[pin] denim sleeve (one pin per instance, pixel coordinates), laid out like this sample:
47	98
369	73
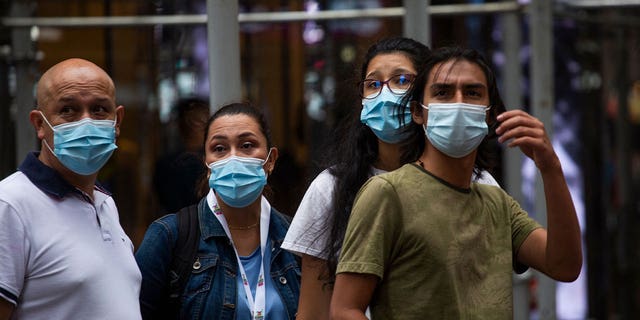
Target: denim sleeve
154	259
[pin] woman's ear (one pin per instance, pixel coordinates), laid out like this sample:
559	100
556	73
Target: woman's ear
206	165
417	113
271	161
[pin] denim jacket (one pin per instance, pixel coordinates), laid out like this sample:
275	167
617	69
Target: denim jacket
211	291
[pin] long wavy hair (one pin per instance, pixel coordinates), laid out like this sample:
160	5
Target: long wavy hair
414	145
355	150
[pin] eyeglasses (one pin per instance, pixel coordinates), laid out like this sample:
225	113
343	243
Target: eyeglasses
398	84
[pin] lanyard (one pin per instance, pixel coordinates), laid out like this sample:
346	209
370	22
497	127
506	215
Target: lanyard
257	305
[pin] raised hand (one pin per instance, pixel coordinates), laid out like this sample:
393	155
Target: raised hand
520	129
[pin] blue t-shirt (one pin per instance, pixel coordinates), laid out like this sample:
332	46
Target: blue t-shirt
274	308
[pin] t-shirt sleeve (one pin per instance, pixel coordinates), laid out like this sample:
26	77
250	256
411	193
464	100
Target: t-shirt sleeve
308	233
14	246
521	226
484	177
372	230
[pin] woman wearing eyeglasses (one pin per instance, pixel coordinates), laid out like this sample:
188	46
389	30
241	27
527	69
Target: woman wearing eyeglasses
367	144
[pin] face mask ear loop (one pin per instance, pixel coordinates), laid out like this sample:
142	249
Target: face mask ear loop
48	147
47	121
265	162
115	121
424	125
268	155
52	129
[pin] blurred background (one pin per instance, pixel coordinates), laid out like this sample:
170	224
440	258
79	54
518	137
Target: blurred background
573	63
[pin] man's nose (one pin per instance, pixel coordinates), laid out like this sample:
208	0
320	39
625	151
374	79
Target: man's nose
458	97
85	114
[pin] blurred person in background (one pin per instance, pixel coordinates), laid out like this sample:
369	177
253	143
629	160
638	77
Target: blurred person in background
176	174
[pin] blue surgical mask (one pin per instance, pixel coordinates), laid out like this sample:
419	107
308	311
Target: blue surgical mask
238	181
380	115
456	129
83	146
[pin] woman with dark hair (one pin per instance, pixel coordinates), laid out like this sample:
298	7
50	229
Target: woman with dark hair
239	271
367	144
424	241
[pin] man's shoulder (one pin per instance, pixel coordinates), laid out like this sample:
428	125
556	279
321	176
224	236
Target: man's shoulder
16	185
489	190
407	171
12	177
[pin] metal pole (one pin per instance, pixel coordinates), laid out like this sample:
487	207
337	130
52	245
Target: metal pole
256	17
512	158
542	104
513	98
23	54
223	42
625	242
417	20
7	123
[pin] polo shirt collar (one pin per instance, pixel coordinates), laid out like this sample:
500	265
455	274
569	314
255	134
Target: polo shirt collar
47	179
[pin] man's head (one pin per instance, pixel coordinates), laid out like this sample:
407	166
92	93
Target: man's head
454	55
74	92
440	65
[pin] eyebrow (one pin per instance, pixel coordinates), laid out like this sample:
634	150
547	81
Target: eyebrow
447	86
247	134
372	74
394	72
402	71
241	136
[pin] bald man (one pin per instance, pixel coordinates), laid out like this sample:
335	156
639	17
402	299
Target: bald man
63	252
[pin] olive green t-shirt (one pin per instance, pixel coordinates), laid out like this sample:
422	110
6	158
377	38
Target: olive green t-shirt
440	252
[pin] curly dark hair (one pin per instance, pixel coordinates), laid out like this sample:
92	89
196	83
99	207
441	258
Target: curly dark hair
414	145
355	150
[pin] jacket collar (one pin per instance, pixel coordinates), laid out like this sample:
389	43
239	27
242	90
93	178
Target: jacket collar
211	227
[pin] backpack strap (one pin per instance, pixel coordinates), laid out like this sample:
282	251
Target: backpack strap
184	255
